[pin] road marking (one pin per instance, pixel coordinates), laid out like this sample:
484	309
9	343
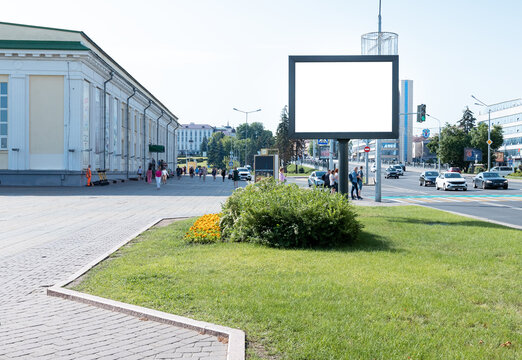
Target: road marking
503	205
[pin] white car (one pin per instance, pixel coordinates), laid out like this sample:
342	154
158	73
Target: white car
374	167
503	170
315	178
244	174
450	181
399	169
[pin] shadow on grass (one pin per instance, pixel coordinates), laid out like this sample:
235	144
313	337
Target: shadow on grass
472	223
366	242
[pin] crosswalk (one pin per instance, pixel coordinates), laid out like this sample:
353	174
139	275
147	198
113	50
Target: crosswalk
419	199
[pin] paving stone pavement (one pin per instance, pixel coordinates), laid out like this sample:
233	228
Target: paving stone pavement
50	233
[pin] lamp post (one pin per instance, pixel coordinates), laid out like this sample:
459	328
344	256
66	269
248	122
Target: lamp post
246	128
481	103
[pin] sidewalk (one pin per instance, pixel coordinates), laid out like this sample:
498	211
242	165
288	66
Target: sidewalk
50	233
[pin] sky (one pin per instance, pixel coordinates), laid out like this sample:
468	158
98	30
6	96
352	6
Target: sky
202	58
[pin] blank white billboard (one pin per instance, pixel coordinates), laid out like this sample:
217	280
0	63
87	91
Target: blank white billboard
344	97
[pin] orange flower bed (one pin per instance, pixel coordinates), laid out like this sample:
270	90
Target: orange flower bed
205	230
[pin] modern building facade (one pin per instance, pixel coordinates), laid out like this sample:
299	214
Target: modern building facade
65	104
507	114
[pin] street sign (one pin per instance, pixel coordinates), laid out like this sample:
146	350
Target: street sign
489	142
231	163
426	133
367	149
322	142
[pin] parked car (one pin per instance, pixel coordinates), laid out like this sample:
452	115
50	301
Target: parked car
503	170
315	178
399	169
455	169
450	181
428	178
489	179
391	172
244	174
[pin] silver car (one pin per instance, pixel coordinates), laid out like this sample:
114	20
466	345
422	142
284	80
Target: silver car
244	174
315	178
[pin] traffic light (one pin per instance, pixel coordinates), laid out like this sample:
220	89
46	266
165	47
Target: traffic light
421	113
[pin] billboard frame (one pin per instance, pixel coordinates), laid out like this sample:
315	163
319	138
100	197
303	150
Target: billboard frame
393	59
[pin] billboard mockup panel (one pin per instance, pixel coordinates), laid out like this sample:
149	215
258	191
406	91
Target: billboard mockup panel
344	97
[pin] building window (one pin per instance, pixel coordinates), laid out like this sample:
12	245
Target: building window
3	116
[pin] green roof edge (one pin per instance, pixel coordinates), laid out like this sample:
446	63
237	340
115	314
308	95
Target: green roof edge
42	45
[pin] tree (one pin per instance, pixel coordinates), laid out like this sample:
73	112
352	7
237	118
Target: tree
288	148
204	144
467	122
216	151
479	138
453	141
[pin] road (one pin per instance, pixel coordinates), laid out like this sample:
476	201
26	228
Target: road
498	205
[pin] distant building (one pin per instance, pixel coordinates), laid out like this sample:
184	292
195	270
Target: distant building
420	151
226	130
507	114
190	137
66	104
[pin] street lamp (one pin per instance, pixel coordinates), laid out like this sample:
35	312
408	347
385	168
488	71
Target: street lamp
246	128
481	103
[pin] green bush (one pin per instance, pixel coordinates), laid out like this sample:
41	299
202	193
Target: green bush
287	216
301	170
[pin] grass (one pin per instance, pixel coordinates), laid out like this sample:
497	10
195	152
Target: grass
291	170
419	284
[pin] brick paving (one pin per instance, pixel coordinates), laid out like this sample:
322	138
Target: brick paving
50	233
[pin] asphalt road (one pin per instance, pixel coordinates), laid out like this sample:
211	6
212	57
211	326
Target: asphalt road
497	205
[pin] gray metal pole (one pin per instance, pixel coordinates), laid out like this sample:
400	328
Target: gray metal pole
489	139
378	170
366	164
343	166
330	158
246	137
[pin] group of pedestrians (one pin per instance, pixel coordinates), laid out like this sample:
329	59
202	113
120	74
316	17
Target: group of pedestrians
331	181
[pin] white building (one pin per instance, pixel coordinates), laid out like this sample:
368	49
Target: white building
66	104
190	137
507	114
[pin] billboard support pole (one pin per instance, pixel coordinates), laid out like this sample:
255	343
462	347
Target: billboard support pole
343	166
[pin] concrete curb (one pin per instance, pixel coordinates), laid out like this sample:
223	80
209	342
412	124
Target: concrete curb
236	338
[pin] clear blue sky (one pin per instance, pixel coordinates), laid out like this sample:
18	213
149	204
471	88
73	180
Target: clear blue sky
201	58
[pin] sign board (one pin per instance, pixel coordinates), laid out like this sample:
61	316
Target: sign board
426	133
344	97
367	149
156	148
324	153
266	166
499	156
471	154
230	163
322	142
489	142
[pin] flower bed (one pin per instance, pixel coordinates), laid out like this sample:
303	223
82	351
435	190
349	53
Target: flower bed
205	230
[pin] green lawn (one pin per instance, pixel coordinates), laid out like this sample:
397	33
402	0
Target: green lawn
291	170
420	284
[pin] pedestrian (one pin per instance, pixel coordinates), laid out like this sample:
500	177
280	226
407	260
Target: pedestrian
360	182
88	175
223	174
158	177
191	172
331	179
179	172
164	175
140	173
282	178
353	179
327	179
235	177
204	171
198	172
184	170
149	174
214	173
336	180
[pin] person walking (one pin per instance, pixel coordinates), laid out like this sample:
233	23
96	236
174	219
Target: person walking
140	173
235	177
88	175
204	171
353	180
360	182
191	172
214	173
223	174
149	174
327	179
164	175
158	177
331	179
282	178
